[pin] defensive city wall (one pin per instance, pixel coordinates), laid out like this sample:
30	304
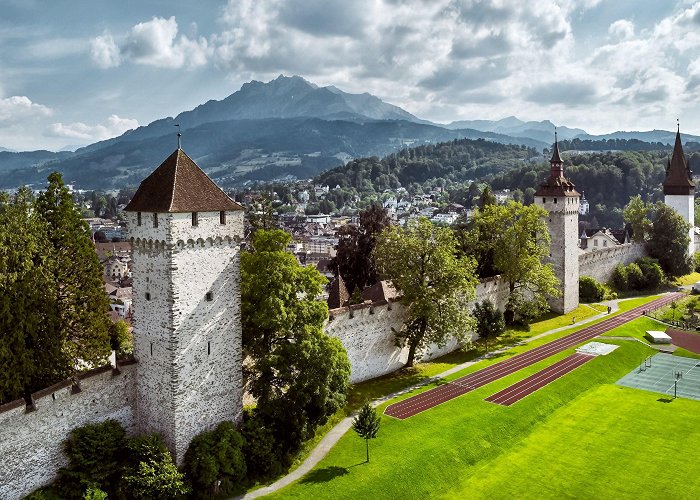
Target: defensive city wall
601	263
31	437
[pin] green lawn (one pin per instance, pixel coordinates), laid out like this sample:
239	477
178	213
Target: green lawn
375	388
451	450
636	329
688	279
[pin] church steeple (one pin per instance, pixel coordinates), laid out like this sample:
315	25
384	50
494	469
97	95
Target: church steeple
678	175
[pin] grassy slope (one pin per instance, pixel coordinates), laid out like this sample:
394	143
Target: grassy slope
468	434
375	388
688	279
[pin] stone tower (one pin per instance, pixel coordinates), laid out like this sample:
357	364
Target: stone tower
679	189
185	233
559	198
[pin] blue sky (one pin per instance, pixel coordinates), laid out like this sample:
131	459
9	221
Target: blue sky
76	71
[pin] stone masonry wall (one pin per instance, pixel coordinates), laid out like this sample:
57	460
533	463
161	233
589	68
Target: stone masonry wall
366	332
600	264
31	442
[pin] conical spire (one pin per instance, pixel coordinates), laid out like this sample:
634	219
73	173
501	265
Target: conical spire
678	176
557	184
556	158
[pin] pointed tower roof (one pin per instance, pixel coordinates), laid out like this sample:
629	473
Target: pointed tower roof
678	176
338	295
179	185
556	184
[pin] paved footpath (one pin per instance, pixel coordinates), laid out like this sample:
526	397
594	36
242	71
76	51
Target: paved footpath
334	435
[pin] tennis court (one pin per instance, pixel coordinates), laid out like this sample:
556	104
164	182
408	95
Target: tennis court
666	374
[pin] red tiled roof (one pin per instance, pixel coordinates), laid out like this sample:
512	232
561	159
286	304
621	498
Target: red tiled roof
179	185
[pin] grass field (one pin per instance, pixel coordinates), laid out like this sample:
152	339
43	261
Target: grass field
375	388
575	437
688	279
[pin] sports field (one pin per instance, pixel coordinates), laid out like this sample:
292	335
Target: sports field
581	435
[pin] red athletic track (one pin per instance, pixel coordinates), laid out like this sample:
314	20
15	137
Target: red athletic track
428	399
527	386
686	340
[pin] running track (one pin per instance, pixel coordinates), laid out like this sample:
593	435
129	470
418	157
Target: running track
525	387
433	397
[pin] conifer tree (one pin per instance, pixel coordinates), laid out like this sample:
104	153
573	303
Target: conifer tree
77	310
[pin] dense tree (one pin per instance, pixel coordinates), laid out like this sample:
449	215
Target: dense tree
487	197
26	352
353	260
95	458
489	321
79	304
668	241
215	464
636	214
298	375
435	284
518	239
366	424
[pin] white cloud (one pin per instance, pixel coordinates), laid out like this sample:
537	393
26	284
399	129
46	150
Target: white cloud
17	109
105	52
152	43
621	29
82	132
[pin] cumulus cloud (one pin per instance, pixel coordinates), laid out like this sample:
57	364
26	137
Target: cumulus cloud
621	29
82	132
153	43
17	109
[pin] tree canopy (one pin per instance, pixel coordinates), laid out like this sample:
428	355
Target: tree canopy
435	283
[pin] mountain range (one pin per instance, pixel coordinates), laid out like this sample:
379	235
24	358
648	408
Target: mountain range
285	128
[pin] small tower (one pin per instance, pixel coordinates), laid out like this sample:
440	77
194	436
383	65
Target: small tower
185	233
679	189
559	198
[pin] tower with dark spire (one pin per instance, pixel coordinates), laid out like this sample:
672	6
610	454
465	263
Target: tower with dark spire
185	234
679	189
558	196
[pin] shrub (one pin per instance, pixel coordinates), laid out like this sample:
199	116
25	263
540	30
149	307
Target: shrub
635	277
259	449
150	472
95	459
619	278
589	290
215	463
653	274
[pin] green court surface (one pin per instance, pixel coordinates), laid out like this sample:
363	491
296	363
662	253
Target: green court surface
666	374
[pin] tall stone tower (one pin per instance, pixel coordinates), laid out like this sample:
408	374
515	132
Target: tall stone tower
679	189
559	198
185	233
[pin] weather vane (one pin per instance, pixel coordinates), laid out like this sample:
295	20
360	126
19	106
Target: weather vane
178	135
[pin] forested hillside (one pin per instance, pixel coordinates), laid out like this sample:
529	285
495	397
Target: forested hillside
451	162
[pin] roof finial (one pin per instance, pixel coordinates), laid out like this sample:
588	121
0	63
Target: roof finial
678	124
178	135
555	133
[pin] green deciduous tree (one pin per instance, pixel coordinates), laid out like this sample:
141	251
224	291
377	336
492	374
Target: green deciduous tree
636	214
355	245
517	238
215	464
95	459
366	424
298	375
489	321
421	262
668	241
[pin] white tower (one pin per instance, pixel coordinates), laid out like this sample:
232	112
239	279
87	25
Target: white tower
679	189
185	233
559	198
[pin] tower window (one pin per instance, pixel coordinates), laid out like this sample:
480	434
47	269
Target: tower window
544	200
155	220
151	348
195	218
209	296
138	218
148	295
208	348
222	217
555	200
